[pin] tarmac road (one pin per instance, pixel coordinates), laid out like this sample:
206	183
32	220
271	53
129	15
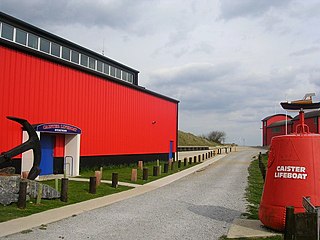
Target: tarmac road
199	206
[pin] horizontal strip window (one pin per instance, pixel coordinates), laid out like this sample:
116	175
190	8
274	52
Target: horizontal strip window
21	37
66	53
7	31
32	41
55	49
75	57
44	45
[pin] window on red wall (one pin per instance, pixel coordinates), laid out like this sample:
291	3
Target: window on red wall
276	130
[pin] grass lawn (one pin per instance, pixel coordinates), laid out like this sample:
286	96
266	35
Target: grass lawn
253	195
78	192
124	172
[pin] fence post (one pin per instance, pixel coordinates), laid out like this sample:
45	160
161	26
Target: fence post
93	185
156	171
115	178
166	168
289	224
185	162
134	174
39	194
22	194
64	190
262	167
145	174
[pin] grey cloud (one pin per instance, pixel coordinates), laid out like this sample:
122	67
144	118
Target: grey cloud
248	8
112	13
203	87
305	51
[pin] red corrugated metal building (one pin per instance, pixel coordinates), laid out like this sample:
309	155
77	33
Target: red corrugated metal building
269	130
54	83
275	125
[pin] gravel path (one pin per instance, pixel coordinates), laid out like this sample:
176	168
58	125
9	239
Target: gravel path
199	206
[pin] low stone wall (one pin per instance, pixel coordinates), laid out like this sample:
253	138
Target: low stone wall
9	189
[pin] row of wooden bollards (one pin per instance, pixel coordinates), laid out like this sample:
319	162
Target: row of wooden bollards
96	180
22	197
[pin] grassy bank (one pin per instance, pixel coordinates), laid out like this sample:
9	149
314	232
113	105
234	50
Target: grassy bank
189	139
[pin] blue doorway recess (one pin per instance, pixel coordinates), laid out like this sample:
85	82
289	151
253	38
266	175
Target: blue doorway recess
171	149
47	145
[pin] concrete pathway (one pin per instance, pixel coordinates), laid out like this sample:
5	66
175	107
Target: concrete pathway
201	202
53	215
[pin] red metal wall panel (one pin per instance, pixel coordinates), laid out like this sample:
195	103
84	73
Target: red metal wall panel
59	145
115	119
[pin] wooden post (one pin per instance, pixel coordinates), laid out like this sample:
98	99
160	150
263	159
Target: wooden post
115	178
101	170
289	224
64	190
93	185
97	174
179	163
22	194
185	162
140	165
145	174
190	160
56	184
156	170
134	175
166	168
199	158
195	159
25	174
39	194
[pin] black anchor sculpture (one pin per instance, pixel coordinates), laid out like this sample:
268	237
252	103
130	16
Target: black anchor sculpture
32	143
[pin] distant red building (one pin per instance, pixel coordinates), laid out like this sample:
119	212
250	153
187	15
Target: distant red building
275	125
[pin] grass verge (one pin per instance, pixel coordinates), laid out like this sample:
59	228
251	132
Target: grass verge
124	172
78	192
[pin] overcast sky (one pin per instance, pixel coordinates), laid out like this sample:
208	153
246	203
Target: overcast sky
229	62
